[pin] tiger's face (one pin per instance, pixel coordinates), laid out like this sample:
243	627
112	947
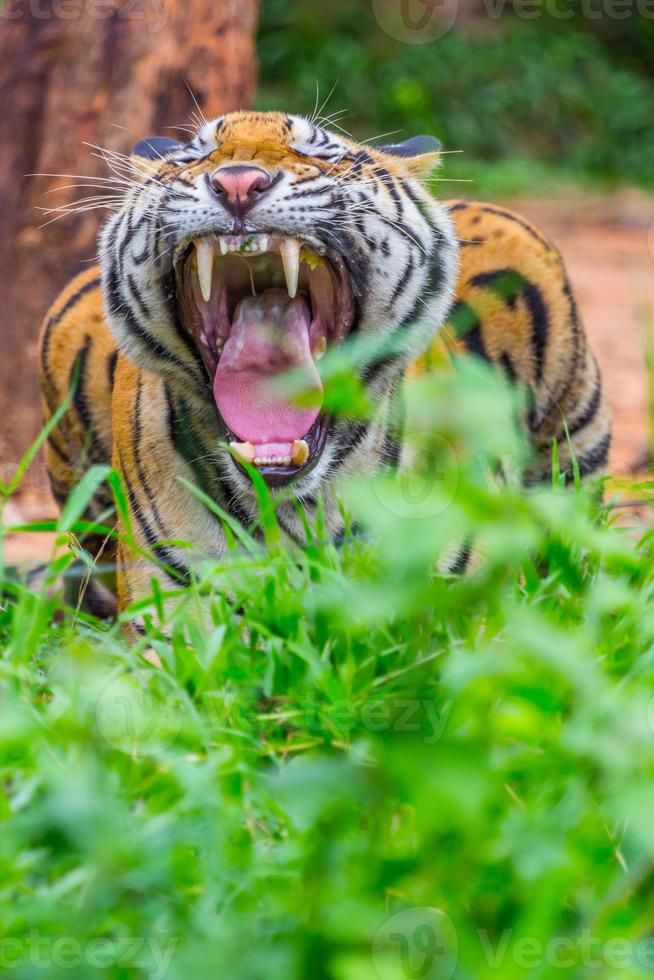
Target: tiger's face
249	251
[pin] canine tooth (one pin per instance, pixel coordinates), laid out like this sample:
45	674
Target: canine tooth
204	253
290	252
299	452
245	450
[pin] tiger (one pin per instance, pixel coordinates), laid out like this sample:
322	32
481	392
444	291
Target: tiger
248	251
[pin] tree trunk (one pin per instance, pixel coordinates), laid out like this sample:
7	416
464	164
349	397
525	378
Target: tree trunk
76	72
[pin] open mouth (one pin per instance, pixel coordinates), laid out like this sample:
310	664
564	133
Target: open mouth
258	307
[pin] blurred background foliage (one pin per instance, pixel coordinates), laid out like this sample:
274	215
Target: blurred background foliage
566	95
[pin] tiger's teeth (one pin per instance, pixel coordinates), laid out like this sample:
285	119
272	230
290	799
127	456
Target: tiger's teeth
204	253
224	247
320	349
244	449
299	452
290	252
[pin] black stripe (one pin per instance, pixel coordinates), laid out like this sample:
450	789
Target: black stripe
465	323
594	458
170	297
190	445
405	230
127	236
140	472
432	285
138	258
590	411
355	432
119	306
460	563
112	361
578	342
72	300
519	221
421	207
93	450
403	282
140	302
181	572
391	452
508	284
378	365
540	326
348	442
57	451
474	342
387	179
508	366
310	191
52	321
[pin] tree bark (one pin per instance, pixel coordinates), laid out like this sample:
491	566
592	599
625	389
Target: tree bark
103	72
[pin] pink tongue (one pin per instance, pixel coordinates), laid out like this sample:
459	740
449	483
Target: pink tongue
269	337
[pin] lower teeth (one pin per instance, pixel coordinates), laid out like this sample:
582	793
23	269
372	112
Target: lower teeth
247	452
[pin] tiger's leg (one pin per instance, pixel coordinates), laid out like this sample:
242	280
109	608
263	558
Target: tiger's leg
514	306
77	349
168	531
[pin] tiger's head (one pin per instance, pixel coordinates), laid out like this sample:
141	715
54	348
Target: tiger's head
248	251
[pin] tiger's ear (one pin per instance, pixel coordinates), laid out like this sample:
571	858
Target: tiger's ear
421	153
148	152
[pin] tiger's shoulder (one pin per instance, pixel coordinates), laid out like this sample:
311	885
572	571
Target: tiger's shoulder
509	273
514	306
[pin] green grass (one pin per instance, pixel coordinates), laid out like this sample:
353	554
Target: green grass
362	768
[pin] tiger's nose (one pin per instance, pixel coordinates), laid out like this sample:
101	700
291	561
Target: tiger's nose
240	186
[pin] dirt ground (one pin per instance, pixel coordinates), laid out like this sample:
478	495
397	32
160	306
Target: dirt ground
608	245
